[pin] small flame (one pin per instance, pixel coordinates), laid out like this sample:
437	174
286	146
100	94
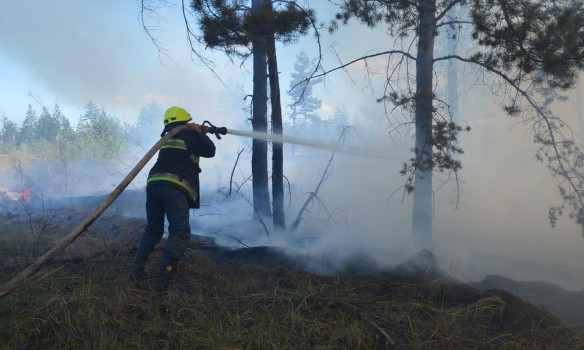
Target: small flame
25	195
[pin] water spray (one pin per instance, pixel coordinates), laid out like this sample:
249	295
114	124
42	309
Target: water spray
217	131
207	127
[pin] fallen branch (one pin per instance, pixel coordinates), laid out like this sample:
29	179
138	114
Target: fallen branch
361	314
237	240
384	333
59	247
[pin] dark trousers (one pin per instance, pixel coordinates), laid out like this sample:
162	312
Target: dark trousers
165	200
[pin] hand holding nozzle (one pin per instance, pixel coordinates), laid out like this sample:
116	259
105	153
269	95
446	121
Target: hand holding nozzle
209	129
200	128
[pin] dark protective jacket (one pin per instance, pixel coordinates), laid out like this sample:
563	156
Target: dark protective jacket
178	162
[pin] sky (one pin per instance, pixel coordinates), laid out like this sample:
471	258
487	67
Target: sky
70	52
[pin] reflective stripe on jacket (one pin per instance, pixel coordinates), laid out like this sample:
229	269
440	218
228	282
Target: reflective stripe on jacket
174	179
178	162
175	143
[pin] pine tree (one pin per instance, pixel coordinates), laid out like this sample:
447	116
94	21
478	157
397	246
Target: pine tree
26	133
92	112
233	27
47	127
65	129
340	118
99	133
304	104
8	136
279	216
148	125
528	46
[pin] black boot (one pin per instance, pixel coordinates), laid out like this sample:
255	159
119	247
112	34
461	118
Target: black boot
167	274
137	272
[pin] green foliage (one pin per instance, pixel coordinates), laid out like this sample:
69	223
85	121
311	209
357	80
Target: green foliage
531	37
47	147
47	127
147	127
290	22
533	49
150	117
340	119
400	16
222	23
65	130
304	105
27	130
99	134
8	136
230	25
445	153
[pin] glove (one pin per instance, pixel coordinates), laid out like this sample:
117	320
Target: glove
200	128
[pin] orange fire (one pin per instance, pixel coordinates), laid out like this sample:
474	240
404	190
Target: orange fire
25	195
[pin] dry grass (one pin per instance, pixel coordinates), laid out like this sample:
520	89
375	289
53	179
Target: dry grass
89	304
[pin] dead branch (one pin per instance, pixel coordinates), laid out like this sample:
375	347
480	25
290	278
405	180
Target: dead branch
147	10
232	237
77	231
551	129
384	333
343	66
238	190
314	194
233	171
289	193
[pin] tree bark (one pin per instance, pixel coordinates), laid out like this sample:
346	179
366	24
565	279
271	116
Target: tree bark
422	207
277	147
580	107
452	89
259	122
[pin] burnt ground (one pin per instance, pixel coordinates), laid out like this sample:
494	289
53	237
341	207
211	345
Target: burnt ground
116	234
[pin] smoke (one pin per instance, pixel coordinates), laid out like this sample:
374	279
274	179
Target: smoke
494	220
72	52
502	226
86	50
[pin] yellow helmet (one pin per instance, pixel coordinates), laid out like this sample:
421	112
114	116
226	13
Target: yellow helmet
176	114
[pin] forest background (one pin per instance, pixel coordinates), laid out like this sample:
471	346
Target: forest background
89	101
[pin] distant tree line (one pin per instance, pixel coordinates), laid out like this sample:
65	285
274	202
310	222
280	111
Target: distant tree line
46	150
51	135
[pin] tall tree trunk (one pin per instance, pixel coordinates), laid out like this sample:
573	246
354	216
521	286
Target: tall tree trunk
422	208
580	107
259	122
452	89
277	147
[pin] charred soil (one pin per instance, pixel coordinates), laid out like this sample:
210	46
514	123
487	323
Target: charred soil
83	300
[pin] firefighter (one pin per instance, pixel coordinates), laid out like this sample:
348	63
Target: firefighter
172	189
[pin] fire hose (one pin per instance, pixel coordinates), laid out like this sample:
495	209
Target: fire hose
31	270
205	127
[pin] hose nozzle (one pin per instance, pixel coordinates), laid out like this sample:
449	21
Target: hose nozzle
217	130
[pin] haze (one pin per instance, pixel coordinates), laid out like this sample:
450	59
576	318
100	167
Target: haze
68	53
